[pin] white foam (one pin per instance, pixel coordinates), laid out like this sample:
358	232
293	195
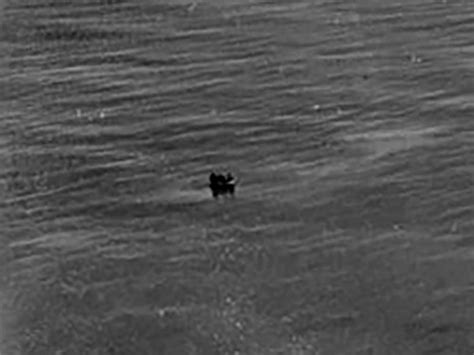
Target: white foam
382	142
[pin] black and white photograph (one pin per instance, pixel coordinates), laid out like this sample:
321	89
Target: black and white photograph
236	177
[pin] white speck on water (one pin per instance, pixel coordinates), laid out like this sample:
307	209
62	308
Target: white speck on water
415	59
192	7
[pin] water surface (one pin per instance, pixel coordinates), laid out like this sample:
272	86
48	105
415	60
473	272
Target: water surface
349	125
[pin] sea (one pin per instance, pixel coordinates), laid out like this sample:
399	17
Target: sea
348	124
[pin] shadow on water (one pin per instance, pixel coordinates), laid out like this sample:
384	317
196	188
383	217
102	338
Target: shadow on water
351	228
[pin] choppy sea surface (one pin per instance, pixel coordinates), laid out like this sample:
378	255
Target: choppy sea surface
348	123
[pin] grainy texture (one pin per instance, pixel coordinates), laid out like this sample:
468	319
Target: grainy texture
349	124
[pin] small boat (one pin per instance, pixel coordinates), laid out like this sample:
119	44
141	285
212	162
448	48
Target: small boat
221	184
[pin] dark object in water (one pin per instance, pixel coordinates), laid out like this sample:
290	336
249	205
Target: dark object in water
222	184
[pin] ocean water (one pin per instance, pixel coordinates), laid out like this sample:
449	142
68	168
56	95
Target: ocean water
348	123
